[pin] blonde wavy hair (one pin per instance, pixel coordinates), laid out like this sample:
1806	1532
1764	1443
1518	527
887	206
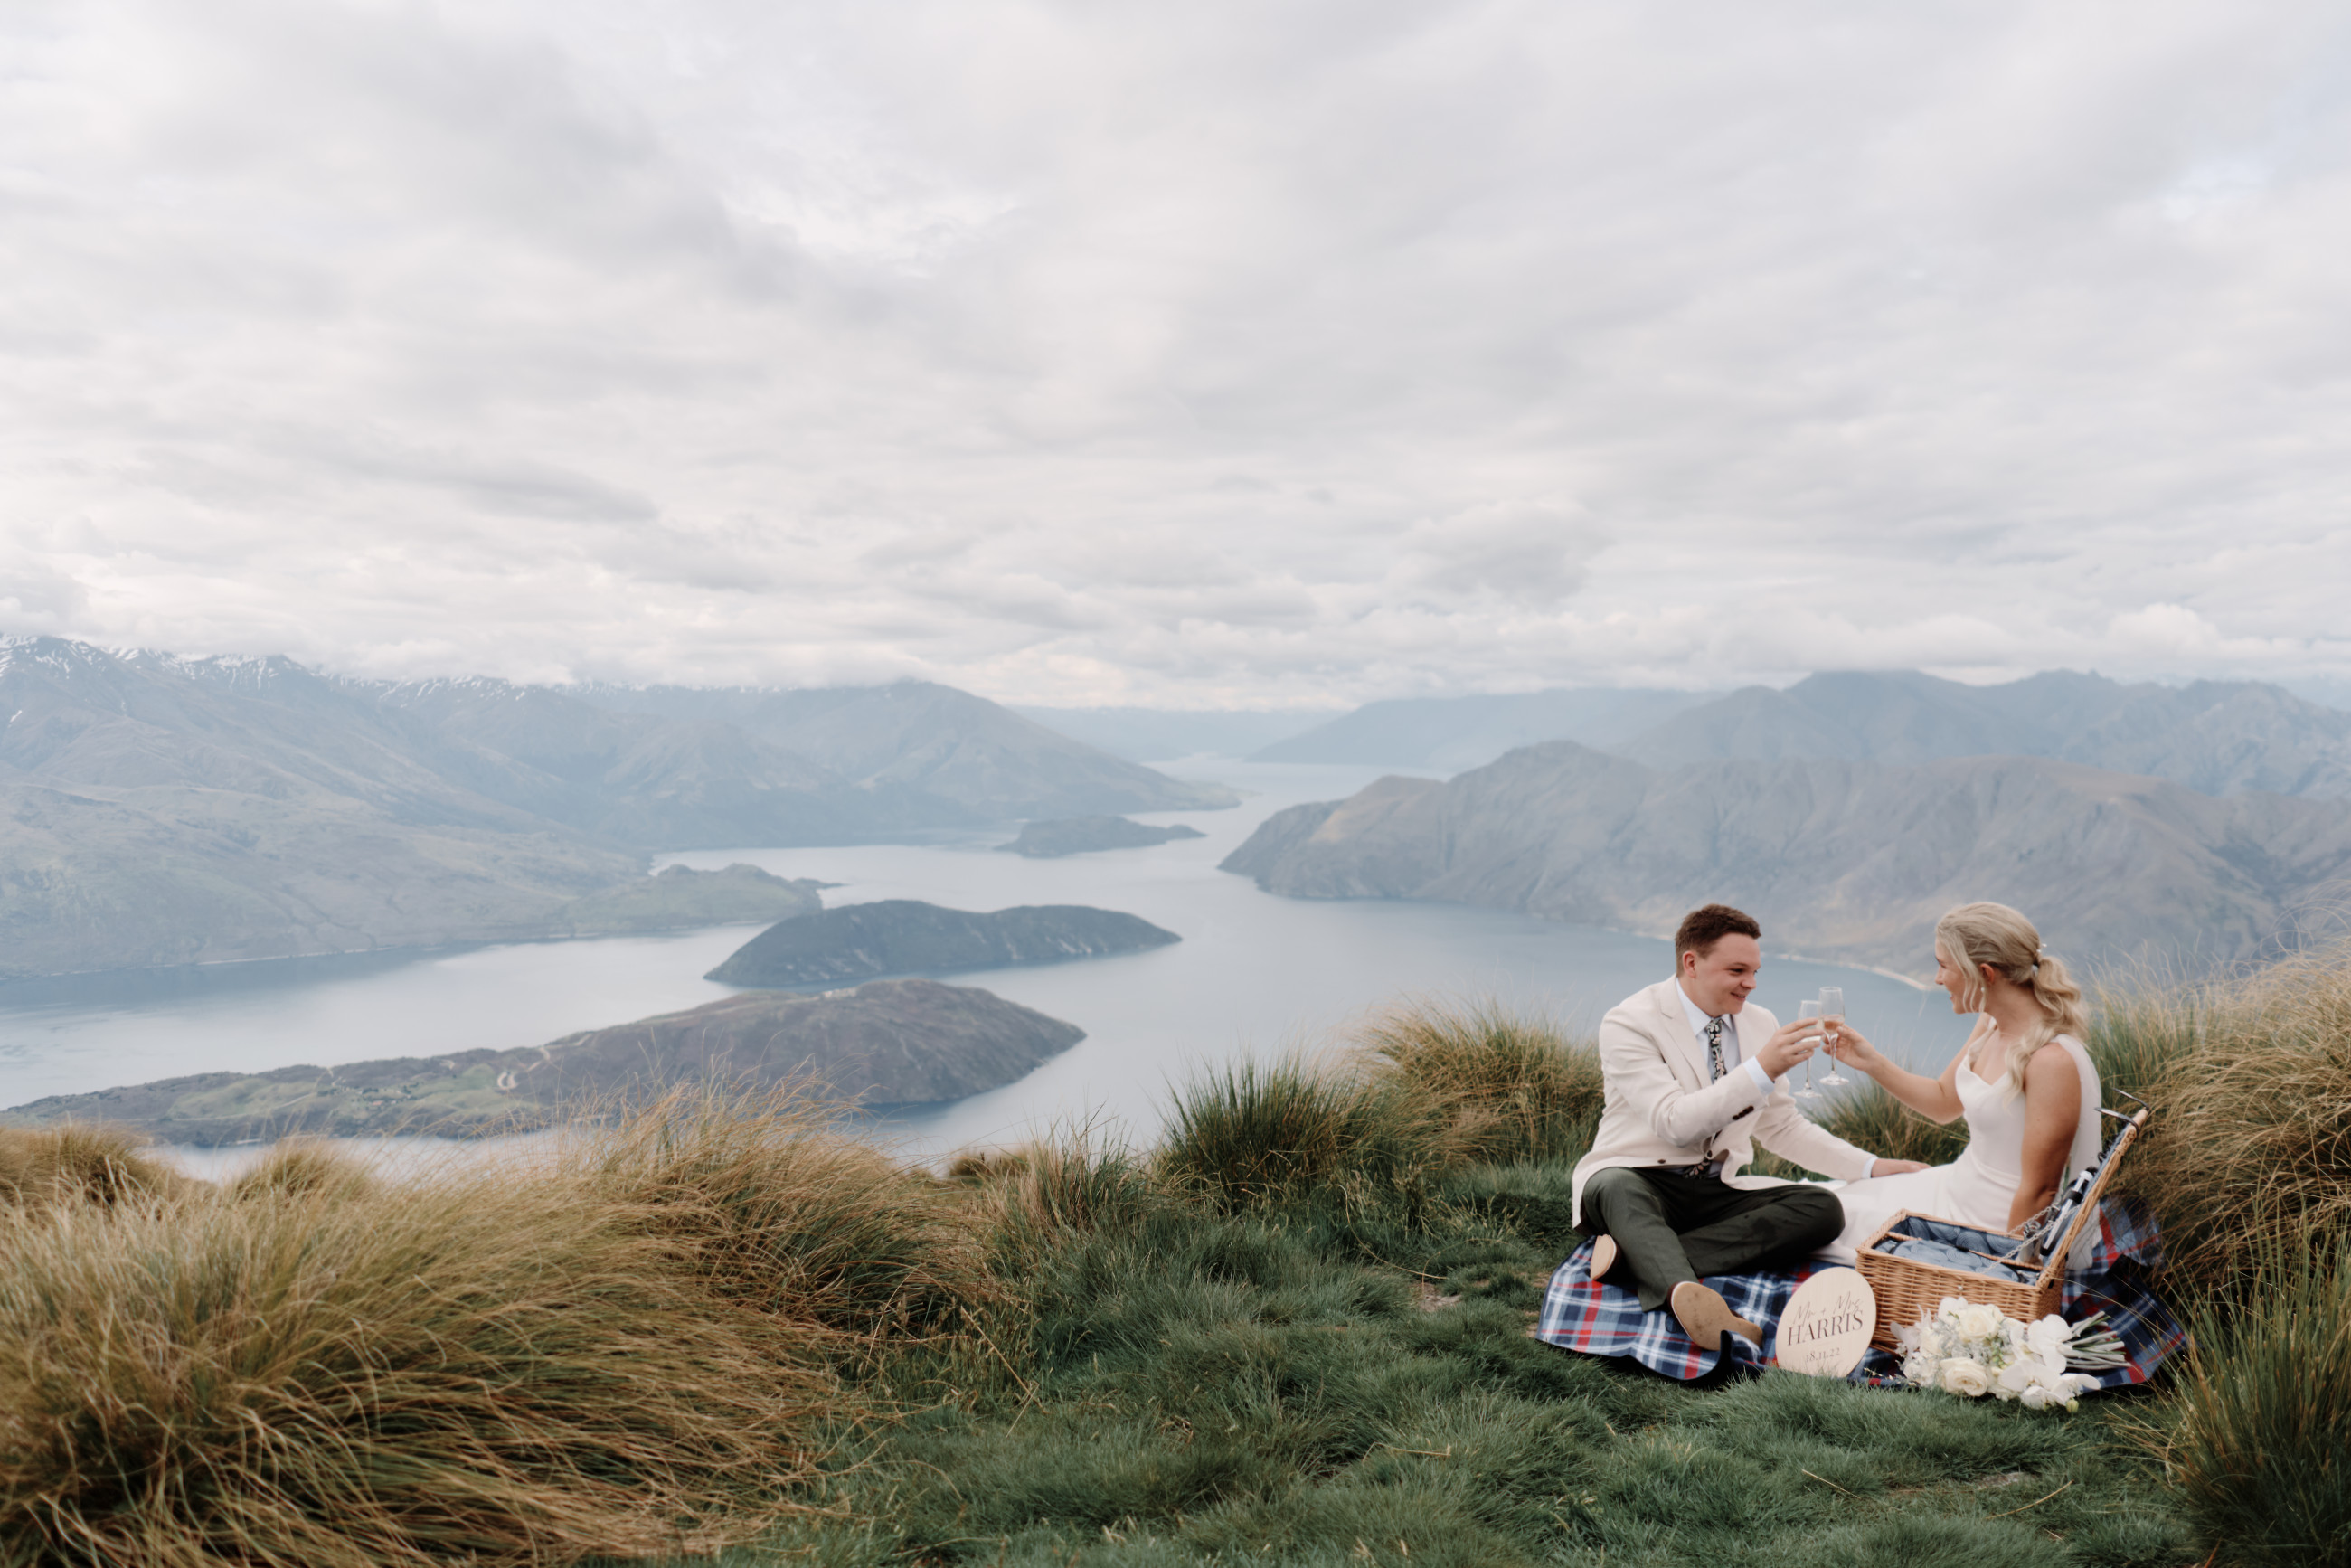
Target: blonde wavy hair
1975	934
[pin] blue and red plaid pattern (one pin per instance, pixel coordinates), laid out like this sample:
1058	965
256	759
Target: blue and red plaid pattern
1607	1320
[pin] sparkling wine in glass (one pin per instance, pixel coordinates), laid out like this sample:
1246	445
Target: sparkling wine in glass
1832	1008
1808	1009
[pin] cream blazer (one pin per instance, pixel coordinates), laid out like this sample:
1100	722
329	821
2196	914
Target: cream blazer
1661	1110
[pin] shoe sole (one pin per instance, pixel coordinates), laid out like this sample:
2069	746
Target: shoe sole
1706	1316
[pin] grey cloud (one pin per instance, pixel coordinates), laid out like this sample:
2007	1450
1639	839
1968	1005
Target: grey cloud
1318	350
1525	554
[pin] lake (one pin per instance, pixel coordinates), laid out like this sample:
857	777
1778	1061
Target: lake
1255	975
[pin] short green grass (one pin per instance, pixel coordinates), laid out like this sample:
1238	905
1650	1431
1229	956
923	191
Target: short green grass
1341	1380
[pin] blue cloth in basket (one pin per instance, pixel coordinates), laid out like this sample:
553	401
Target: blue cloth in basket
1948	1244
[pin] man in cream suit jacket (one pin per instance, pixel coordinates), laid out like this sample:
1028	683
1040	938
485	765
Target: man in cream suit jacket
1693	1084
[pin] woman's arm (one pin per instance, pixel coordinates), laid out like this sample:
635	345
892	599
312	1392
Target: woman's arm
2053	1112
1937	1099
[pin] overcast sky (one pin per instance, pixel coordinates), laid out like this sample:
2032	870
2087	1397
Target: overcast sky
1198	354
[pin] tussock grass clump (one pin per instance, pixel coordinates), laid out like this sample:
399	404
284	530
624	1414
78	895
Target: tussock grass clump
791	1216
1870	1118
2257	1436
75	1164
1255	1133
496	1369
2140	1033
1428	1088
299	1165
1053	1188
1515	1087
2251	1081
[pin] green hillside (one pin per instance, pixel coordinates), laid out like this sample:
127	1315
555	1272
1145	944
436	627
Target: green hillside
1294	1331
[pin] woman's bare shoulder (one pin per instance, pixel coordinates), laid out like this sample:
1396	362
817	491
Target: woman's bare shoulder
2043	1065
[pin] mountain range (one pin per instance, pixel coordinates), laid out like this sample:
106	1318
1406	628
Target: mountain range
1450	734
1840	860
158	811
2219	738
1157	734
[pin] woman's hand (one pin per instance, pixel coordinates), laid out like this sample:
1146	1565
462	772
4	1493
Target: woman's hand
1850	1046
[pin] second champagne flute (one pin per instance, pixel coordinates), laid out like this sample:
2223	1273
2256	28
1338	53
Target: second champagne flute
1832	1008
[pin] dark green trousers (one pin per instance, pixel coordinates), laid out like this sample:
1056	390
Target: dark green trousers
1670	1228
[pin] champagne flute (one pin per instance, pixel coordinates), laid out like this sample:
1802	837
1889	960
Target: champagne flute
1833	1009
1809	1008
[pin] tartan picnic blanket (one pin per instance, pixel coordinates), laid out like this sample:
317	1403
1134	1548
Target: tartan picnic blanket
1607	1320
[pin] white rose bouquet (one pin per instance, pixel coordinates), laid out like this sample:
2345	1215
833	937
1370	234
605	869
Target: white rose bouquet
1971	1350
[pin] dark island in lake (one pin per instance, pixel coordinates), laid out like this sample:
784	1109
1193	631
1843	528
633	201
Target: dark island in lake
1082	835
891	1042
906	936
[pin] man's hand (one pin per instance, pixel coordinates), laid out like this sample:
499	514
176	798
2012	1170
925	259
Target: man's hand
1896	1167
1794	1043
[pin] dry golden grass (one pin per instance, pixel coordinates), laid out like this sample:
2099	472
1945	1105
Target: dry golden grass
296	1166
39	1166
619	1348
2250	1145
502	1369
2143	1027
791	1216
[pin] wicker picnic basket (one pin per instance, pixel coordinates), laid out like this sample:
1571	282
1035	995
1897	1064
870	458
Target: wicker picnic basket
1908	1290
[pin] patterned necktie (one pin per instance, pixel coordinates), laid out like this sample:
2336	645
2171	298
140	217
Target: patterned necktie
1714	1028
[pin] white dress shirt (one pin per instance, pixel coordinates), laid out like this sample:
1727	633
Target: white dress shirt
1732	1055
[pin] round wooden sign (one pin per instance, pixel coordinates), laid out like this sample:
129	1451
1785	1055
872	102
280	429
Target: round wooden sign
1826	1331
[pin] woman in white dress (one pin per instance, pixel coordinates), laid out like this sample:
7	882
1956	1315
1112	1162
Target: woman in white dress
2023	1081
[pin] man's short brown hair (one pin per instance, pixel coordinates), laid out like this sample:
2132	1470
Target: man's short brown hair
1708	924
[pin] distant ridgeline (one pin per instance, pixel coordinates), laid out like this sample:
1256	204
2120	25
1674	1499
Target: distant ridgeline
906	937
2219	738
892	1042
161	810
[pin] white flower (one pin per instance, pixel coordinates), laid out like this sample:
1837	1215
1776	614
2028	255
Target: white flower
1979	1323
1970	1350
1965	1377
